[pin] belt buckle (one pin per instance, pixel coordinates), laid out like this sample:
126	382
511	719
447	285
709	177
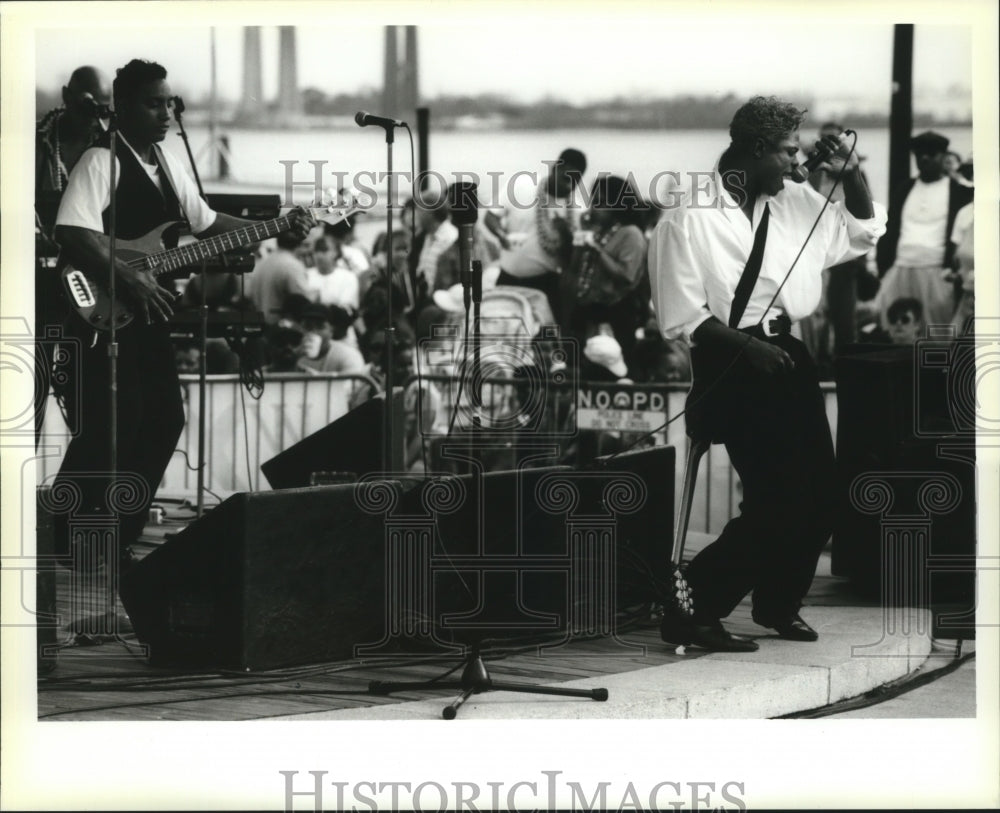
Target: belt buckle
770	331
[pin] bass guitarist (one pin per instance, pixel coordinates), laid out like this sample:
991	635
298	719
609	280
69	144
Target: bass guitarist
152	189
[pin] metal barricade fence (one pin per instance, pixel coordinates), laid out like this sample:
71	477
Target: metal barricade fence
561	421
294	406
241	432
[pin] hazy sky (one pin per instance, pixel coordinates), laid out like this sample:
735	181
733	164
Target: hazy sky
583	58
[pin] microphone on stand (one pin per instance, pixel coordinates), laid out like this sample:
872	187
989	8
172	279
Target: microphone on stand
363	118
464	214
95	108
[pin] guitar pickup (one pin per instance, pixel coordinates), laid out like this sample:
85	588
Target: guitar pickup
79	289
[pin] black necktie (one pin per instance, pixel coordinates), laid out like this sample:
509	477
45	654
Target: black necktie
750	271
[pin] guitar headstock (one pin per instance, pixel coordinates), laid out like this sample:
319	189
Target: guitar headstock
342	206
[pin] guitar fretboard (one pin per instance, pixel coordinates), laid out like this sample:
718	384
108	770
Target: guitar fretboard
193	253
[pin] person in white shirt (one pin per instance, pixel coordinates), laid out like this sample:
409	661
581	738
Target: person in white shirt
152	189
916	256
755	386
439	235
543	250
324	348
333	281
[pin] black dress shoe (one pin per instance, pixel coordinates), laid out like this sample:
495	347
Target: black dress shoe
791	629
711	635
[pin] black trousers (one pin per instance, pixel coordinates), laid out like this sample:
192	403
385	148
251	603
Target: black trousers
150	421
778	439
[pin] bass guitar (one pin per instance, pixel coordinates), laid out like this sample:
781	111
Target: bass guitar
87	292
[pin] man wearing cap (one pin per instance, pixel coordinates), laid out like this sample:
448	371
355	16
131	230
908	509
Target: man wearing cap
731	267
916	256
324	348
548	226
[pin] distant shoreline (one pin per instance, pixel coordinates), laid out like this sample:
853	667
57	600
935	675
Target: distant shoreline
200	119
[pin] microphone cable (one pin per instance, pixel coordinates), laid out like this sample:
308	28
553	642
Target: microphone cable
749	337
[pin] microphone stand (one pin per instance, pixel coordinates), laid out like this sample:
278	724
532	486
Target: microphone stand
390	331
113	335
475	292
202	321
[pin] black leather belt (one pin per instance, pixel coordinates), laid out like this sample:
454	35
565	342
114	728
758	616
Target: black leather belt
780	325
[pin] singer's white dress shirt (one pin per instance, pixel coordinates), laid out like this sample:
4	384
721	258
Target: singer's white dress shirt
699	249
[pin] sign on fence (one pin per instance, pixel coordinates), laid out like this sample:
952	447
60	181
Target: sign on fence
613	407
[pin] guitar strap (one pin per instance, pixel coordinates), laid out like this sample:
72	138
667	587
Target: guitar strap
162	162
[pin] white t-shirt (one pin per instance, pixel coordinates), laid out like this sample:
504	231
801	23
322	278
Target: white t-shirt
923	223
87	193
339	287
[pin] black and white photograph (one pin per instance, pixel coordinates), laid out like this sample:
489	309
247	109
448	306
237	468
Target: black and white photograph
499	406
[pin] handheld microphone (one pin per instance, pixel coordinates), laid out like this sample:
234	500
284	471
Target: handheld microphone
364	118
93	107
816	157
464	214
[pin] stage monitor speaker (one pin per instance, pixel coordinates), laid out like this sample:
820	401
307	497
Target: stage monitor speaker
645	537
352	443
517	533
266	579
926	477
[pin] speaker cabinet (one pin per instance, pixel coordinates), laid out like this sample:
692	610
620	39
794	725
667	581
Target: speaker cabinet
906	529
556	543
352	443
266	579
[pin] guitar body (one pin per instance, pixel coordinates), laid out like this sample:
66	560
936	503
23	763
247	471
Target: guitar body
87	293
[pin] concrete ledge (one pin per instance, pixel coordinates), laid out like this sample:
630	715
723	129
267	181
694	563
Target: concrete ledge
860	648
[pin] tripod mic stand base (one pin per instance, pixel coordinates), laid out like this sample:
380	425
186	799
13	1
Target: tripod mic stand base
476	679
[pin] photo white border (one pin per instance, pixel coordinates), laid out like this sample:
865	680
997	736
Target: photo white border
187	765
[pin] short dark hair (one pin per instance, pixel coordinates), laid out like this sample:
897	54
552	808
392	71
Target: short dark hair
573	159
902	305
617	194
766	118
133	76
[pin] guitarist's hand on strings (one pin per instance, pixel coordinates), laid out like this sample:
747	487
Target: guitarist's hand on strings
142	289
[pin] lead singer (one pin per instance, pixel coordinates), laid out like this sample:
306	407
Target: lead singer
727	273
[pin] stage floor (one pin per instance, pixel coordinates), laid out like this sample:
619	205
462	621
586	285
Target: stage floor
100	671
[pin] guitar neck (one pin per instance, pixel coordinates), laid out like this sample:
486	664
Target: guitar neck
195	252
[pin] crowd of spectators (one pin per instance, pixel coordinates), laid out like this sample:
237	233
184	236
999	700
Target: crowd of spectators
576	259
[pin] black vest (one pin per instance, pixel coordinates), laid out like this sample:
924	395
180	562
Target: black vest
140	206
